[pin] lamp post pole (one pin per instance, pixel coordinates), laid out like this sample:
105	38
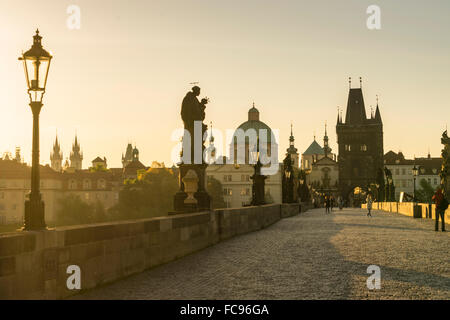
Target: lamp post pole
34	216
258	179
36	63
415	173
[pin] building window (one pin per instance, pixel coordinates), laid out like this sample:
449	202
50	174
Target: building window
397	172
363	148
101	184
403	171
245	177
227	178
245	192
72	184
86	196
227	191
348	147
86	184
435	181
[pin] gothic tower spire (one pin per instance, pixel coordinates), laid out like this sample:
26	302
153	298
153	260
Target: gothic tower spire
56	156
326	147
76	156
292	150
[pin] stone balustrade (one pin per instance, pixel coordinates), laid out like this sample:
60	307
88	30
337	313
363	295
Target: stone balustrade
406	208
34	265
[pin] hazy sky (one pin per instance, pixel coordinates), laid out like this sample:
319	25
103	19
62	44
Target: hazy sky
122	76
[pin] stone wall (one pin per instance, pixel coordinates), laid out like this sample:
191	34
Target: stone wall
406	208
33	265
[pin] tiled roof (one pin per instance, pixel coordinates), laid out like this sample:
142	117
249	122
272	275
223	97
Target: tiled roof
11	169
314	148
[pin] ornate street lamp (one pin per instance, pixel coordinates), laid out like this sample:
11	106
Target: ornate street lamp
390	189
258	179
288	180
36	62
415	171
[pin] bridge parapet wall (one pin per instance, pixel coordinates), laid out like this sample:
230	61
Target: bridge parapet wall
406	208
33	265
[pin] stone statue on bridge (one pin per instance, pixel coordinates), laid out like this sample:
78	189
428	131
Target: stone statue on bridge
193	114
445	170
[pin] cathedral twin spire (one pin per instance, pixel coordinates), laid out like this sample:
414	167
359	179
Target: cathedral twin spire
76	156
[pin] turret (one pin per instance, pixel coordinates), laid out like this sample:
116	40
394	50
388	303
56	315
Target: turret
56	156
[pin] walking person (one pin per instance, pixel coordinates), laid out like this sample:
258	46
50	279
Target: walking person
369	204
441	205
327	204
340	202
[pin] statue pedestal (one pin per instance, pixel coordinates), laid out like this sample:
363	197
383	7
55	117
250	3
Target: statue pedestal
202	197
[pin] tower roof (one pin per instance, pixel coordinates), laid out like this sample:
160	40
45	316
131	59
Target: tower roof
292	149
253	114
314	148
356	111
378	115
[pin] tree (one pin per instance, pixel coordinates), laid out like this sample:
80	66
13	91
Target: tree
73	210
98	168
215	190
149	195
426	192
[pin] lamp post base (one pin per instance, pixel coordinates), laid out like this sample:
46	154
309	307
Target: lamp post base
34	216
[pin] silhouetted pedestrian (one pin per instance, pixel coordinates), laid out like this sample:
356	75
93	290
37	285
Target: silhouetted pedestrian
327	204
441	205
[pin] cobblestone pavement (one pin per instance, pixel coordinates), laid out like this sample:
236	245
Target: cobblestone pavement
311	256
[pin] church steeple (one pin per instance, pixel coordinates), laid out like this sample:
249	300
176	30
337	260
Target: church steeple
56	156
292	150
211	148
76	156
377	113
326	147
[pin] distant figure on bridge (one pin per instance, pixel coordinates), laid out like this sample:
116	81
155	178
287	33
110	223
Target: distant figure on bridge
327	204
340	202
369	204
441	205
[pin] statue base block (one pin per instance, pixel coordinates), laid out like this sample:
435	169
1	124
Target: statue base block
202	197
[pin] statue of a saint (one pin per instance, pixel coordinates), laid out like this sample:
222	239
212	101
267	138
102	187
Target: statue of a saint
193	110
193	114
445	139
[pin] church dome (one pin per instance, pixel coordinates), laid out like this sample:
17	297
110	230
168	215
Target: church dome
247	131
254	123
